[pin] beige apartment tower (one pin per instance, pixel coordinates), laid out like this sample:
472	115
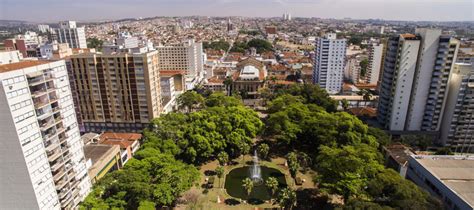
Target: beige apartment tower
116	92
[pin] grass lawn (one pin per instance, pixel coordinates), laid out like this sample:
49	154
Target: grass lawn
210	199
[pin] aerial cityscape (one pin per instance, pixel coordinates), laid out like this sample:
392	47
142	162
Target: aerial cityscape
237	104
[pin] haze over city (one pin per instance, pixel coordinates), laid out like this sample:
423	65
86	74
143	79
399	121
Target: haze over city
88	10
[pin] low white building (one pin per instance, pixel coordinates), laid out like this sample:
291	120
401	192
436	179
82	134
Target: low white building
450	178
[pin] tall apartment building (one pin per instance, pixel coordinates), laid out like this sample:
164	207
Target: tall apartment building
69	33
329	61
397	80
43	165
435	60
414	84
353	69
374	66
116	92
43	28
187	56
457	129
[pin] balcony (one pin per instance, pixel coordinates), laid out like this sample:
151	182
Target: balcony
67	157
41	103
64	192
60	129
57	165
59	175
40	92
54	156
61	183
51	145
66	200
58	119
63	138
48	124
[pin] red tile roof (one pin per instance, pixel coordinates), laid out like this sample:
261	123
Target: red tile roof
20	65
124	140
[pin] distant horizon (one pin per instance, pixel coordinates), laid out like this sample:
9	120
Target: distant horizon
48	11
233	16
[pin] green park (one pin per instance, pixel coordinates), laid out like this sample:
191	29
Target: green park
297	153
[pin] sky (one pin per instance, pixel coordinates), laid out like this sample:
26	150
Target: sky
87	10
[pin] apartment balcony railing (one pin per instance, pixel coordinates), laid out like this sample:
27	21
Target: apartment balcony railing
66	200
67	157
59	175
48	124
58	119
64	192
53	156
61	183
57	165
51	145
62	139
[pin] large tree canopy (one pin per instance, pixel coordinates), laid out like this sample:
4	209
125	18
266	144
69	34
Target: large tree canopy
344	151
151	179
196	137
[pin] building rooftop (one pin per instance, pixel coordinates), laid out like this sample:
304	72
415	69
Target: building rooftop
21	65
96	152
399	152
456	172
124	140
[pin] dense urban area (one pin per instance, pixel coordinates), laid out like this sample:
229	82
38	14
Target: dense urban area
237	113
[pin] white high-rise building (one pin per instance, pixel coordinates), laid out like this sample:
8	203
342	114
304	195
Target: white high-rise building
187	56
397	80
414	83
43	28
330	55
374	66
69	33
43	165
457	129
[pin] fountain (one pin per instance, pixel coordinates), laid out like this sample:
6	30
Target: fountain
258	174
255	171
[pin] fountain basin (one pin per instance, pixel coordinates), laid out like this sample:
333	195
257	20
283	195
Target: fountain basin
233	182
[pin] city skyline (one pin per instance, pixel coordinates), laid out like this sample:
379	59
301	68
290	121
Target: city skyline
404	10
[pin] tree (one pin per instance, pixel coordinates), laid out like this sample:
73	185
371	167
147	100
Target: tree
363	67
228	85
345	104
311	94
287	198
243	94
95	43
345	171
366	95
444	151
272	184
265	94
219	99
263	150
293	165
223	158
146	205
156	180
389	188
219	172
355	40
247	183
216	45
244	149
188	100
260	44
421	142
